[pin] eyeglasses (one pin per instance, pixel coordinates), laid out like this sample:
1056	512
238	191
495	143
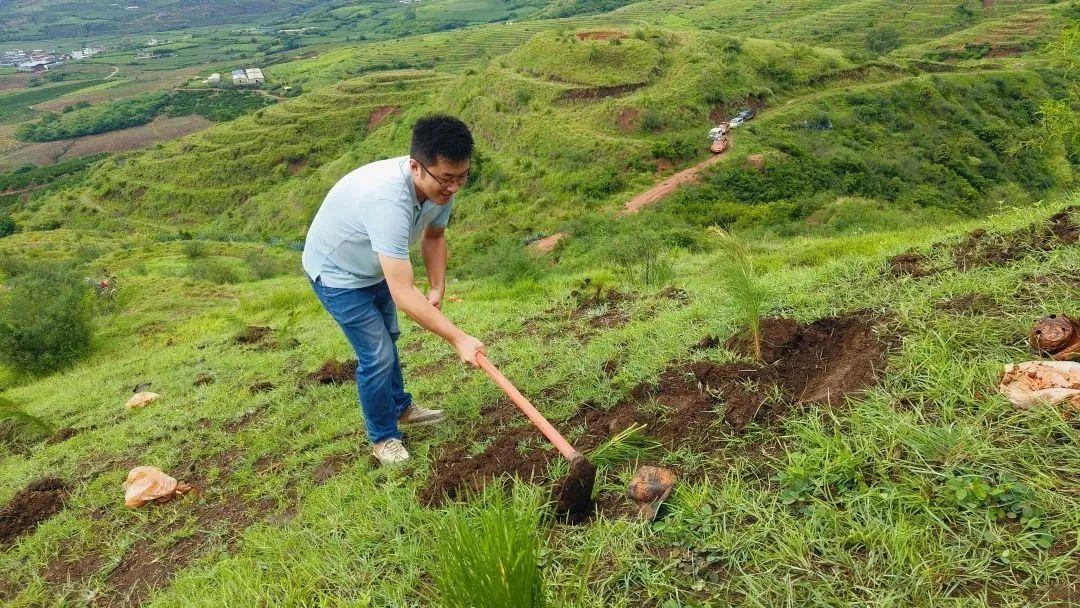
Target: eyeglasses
458	181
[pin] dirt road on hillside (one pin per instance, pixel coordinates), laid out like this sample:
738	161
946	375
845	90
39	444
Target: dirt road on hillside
669	185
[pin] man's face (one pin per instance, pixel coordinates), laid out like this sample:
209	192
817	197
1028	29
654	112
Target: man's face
441	180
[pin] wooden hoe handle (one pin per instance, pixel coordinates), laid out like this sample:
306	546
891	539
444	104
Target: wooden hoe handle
527	408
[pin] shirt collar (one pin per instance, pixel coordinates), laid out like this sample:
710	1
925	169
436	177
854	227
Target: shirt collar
409	185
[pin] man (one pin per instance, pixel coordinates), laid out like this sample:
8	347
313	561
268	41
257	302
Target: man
357	258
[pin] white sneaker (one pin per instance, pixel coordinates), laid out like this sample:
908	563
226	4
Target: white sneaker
390	451
420	416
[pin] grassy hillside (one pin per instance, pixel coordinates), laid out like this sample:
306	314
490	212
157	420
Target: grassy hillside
791	509
908	213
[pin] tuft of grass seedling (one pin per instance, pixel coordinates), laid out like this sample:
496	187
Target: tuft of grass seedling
739	278
488	552
22	424
629	444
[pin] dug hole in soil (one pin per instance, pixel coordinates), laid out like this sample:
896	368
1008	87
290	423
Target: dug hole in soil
983	248
805	365
38	502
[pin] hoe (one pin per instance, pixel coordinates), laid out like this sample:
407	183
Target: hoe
573	495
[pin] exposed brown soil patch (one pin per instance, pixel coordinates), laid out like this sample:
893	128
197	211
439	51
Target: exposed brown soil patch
804	365
66	568
669	185
755	161
61	435
600	35
217	520
594	93
38	502
204	379
256	335
982	248
123	140
628	120
332	466
548	243
332	371
600	308
908	264
261	387
380	114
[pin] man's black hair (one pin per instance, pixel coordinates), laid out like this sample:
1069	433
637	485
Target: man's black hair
442	136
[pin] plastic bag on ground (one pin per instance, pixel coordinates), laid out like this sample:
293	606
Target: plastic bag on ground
1032	382
148	484
141	400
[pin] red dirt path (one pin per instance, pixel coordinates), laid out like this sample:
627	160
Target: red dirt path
669	185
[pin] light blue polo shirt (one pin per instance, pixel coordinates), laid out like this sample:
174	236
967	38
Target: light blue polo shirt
371	210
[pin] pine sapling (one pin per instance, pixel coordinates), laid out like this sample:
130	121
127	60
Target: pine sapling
745	289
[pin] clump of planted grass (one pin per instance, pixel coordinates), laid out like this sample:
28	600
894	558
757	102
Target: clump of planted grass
628	445
487	552
739	277
18	426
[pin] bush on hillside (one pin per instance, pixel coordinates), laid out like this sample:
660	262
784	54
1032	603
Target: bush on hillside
213	270
7	227
46	319
882	40
677	148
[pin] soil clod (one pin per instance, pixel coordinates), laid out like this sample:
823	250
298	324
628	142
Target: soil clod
258	336
39	501
573	495
333	371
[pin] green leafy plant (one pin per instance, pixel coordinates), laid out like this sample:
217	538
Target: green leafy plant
1002	498
629	444
745	288
46	320
488	552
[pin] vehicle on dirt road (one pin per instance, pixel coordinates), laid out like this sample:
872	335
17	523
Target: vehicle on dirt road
719	145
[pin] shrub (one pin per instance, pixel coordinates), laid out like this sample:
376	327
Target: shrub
642	259
265	265
7	227
676	148
882	40
46	319
213	270
487	552
194	249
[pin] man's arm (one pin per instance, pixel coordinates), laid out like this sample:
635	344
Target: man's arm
433	248
399	277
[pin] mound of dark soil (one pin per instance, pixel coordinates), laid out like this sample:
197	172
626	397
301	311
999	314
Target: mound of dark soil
256	335
984	248
803	365
332	371
38	502
909	264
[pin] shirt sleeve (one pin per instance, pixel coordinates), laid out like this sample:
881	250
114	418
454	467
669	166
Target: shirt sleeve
443	218
388	228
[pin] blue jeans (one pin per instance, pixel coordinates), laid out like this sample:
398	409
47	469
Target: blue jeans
368	317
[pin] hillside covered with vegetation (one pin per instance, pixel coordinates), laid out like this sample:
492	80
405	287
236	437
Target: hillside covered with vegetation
895	217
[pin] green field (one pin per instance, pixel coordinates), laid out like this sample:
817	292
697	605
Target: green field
15	106
900	211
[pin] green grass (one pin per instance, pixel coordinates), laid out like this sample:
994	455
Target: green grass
16	106
877	516
928	490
